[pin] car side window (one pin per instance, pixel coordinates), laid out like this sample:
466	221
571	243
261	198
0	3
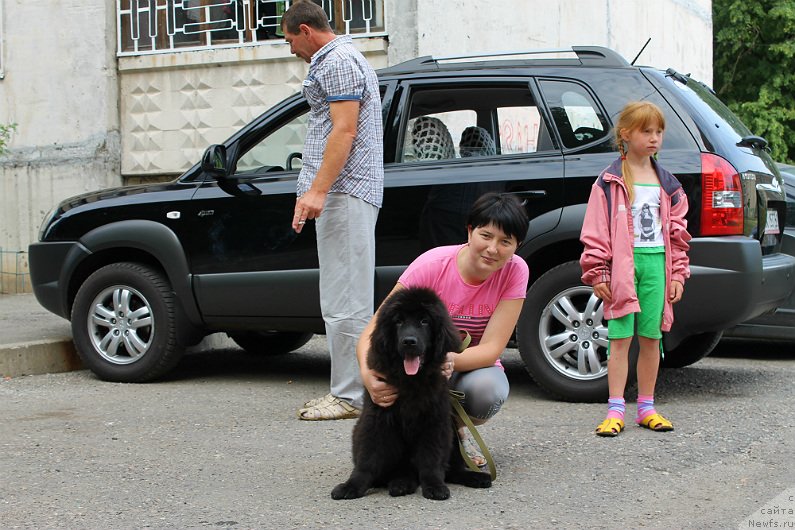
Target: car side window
577	117
282	148
272	152
472	121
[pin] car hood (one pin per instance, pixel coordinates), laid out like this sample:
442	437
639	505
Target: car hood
112	193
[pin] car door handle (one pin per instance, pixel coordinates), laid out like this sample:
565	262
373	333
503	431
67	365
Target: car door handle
526	195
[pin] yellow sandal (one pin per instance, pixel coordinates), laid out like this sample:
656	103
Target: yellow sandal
610	427
656	422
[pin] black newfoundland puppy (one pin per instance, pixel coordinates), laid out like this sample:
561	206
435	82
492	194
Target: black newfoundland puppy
411	443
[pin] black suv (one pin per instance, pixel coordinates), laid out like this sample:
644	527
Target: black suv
143	271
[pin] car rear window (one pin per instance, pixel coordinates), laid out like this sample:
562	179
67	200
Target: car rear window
714	112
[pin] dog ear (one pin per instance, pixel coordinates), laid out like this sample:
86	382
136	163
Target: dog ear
446	336
453	337
383	336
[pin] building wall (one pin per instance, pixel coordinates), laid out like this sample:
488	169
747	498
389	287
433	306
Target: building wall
680	30
60	87
173	106
88	120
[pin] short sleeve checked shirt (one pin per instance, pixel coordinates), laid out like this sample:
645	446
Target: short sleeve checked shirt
338	72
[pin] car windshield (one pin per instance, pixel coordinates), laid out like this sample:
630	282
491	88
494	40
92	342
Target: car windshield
714	111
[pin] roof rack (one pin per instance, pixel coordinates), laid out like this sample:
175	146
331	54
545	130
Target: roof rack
580	55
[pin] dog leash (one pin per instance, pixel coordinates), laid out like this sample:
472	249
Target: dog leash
456	398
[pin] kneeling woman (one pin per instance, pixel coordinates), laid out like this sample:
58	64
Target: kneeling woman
483	284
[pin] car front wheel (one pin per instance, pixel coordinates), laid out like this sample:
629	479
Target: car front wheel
124	323
562	336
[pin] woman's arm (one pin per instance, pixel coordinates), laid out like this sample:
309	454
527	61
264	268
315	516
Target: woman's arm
380	392
496	336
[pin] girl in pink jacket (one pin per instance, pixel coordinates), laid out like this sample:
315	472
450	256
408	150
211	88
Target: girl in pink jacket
635	238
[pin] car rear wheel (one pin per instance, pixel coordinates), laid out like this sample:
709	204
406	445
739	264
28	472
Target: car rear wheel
270	342
562	336
124	323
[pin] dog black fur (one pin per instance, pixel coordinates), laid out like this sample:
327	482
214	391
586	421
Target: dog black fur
411	443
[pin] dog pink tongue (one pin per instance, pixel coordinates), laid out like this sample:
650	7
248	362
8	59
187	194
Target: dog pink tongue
411	365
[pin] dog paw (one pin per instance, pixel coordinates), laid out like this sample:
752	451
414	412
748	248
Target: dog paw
400	487
436	493
481	482
478	480
346	491
470	479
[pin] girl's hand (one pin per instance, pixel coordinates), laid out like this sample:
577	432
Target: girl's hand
675	291
449	365
602	291
382	393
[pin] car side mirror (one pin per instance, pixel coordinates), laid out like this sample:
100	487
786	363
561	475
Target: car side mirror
214	161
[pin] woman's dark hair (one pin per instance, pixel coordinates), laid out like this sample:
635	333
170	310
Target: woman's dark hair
502	209
305	12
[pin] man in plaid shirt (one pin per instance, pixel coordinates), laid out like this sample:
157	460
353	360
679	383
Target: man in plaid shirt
341	187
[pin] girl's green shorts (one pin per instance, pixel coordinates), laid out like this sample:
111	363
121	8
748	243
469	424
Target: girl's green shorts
650	287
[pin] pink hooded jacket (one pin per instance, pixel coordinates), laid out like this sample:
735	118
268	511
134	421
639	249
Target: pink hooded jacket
607	235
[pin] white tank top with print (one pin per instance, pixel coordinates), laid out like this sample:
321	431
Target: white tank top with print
646	216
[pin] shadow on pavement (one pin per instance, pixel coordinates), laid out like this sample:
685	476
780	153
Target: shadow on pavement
754	349
236	363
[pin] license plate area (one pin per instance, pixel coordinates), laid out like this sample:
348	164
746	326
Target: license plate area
771	224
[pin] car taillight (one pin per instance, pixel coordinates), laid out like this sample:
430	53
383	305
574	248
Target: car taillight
721	199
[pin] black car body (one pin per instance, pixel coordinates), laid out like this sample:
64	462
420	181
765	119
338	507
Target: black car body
214	250
779	324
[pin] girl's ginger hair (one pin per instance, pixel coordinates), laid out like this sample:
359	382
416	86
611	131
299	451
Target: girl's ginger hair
635	115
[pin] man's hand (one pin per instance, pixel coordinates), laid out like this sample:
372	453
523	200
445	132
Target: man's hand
308	206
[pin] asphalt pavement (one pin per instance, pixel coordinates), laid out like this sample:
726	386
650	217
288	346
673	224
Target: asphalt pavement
217	444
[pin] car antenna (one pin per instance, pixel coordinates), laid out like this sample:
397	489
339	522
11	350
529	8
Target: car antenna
641	51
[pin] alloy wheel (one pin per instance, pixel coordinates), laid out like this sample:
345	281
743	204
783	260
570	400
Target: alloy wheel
573	334
120	324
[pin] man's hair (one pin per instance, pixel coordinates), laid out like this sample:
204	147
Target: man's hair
305	12
502	209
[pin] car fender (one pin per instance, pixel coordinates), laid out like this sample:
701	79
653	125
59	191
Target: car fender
153	238
568	223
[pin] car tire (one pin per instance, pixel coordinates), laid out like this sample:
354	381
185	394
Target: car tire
691	350
270	342
563	338
124	323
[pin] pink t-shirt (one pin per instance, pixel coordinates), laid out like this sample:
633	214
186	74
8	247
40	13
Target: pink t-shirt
470	306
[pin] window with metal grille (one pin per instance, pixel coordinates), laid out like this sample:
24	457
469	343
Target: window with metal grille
161	26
